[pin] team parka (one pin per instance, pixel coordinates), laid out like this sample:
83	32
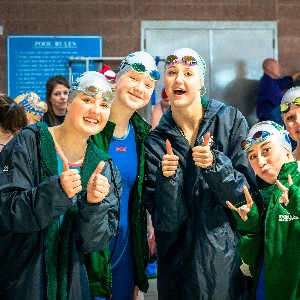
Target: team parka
41	252
272	235
194	229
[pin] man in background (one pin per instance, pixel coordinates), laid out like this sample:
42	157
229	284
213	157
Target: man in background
271	90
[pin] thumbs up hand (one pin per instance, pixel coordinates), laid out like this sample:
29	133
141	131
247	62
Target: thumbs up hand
70	179
202	155
170	161
98	186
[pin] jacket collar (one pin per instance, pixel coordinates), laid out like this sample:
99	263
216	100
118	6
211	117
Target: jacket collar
291	168
49	157
141	128
211	108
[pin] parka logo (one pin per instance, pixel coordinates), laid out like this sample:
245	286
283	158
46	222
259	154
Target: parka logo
121	149
211	141
5	169
287	218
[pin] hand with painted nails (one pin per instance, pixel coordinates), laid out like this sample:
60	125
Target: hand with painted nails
202	155
285	191
70	180
170	161
244	209
98	186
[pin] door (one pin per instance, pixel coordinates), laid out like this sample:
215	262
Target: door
233	51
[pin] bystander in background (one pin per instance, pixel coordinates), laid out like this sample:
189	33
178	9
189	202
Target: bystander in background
270	91
57	89
12	119
34	107
159	109
110	75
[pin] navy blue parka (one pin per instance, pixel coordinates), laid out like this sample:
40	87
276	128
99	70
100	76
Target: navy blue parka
194	229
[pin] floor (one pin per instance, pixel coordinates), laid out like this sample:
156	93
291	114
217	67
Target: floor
152	292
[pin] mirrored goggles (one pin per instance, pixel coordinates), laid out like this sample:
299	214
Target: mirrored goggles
92	91
140	68
285	107
258	137
111	81
186	60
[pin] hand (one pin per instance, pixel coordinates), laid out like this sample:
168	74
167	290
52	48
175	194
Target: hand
135	293
98	186
170	161
70	180
152	244
244	209
285	191
202	155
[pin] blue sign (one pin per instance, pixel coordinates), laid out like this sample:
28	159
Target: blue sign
32	60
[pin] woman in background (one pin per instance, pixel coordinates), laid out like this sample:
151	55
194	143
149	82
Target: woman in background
57	89
12	119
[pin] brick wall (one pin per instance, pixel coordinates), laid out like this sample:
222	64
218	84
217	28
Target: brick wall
118	21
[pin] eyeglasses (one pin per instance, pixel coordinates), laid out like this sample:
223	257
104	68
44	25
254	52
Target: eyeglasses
92	91
258	137
285	107
140	68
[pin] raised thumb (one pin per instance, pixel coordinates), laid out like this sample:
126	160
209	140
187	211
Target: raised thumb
99	168
169	147
65	163
206	139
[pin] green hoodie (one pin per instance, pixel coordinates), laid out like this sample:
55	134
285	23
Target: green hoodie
272	234
98	268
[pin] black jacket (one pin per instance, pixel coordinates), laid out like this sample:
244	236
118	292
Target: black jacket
194	229
28	205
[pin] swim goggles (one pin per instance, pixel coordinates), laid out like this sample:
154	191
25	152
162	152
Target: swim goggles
140	68
285	107
258	137
92	91
187	60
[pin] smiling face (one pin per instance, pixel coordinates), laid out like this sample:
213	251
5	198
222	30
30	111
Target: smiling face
266	159
87	114
291	121
183	84
134	90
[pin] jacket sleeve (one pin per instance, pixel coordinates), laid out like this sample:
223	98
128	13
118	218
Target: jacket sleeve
231	169
294	204
27	205
97	222
251	239
163	196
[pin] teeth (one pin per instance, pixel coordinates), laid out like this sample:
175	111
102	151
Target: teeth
91	120
136	96
179	92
